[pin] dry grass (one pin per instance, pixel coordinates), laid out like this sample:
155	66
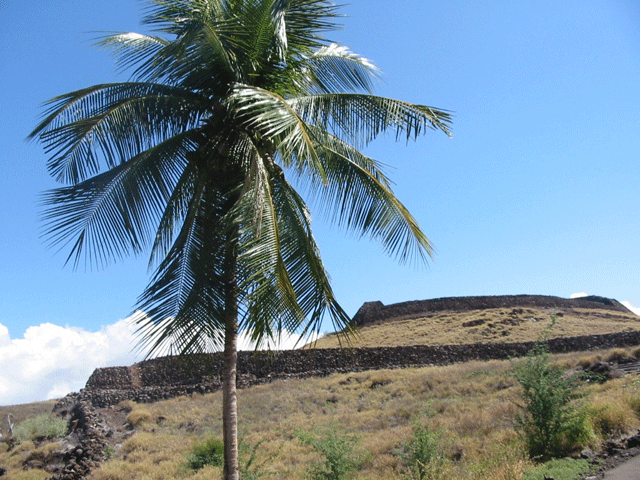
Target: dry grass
491	325
15	459
613	406
19	413
471	406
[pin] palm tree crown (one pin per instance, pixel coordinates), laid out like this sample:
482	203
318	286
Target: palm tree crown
192	159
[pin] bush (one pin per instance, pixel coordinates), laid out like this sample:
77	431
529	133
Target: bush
550	420
42	426
422	453
341	457
211	452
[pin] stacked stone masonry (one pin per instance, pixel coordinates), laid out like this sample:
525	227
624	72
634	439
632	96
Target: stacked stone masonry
168	377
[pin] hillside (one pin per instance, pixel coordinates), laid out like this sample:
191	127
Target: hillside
468	403
482	319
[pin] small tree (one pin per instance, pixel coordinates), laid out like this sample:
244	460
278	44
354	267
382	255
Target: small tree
341	457
422	451
550	418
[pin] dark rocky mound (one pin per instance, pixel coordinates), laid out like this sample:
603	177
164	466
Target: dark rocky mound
376	311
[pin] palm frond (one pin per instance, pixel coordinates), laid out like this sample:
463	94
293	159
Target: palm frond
115	213
131	48
174	214
101	126
357	196
335	68
263	270
285	284
302	256
263	37
360	118
174	16
275	121
307	21
184	300
200	58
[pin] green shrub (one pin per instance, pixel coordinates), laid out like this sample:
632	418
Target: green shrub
46	425
210	452
558	469
550	420
340	455
422	452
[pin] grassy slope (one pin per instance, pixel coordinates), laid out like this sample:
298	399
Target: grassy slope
470	407
21	412
492	325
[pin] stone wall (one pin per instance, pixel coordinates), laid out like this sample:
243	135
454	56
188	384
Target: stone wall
168	377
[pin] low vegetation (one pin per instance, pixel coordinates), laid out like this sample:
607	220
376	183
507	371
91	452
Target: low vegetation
210	452
340	456
33	446
43	426
454	422
552	420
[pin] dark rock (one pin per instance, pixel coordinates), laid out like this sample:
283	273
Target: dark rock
634	441
587	453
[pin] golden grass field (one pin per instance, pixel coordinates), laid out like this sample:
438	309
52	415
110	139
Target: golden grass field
471	408
491	325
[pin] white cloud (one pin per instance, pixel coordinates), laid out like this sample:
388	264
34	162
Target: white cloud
635	310
579	295
51	361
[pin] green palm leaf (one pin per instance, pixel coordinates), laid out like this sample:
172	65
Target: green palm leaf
335	68
361	118
101	126
114	213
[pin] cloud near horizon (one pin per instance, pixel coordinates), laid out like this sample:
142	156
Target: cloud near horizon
627	304
635	310
579	295
50	361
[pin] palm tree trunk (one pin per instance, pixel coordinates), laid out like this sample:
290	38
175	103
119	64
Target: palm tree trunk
229	393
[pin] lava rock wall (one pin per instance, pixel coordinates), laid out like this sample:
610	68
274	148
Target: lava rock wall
172	376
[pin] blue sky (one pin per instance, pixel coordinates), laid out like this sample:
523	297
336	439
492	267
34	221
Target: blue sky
537	192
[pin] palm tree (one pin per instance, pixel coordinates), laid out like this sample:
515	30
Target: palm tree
192	159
